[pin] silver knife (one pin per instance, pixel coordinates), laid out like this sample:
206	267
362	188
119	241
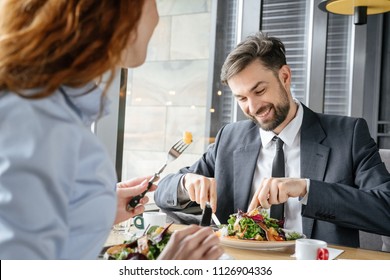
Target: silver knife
215	219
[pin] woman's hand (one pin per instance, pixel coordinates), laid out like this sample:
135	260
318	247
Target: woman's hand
192	243
125	192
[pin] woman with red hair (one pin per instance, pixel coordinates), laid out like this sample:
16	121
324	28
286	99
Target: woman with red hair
58	194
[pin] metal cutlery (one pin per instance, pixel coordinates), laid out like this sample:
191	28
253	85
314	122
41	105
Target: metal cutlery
174	152
206	215
215	220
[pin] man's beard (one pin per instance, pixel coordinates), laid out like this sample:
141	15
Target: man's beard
281	111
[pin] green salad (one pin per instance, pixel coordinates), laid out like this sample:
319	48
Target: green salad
147	247
257	225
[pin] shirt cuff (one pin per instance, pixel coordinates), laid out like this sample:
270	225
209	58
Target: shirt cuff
182	194
303	200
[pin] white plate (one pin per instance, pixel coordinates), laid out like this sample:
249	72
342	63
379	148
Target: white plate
231	241
255	245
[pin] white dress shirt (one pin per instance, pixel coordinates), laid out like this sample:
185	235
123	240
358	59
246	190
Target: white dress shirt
292	139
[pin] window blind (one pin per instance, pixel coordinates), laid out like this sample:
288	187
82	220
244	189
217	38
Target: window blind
221	97
337	72
287	20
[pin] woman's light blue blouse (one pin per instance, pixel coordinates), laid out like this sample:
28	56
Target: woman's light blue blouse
57	183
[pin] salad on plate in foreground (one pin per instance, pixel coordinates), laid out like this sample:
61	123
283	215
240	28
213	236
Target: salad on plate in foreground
146	247
257	226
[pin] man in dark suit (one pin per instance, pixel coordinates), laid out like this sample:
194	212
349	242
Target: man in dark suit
335	182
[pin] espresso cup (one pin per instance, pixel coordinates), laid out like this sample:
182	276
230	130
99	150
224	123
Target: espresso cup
311	249
149	219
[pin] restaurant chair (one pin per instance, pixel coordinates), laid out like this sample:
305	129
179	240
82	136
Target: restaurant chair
373	241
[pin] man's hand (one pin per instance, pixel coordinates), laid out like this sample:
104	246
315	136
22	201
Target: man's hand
276	191
201	189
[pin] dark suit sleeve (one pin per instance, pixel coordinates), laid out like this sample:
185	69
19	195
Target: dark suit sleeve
362	199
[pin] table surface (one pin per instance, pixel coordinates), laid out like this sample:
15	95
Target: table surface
273	254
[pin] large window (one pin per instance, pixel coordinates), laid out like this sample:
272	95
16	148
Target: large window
171	92
291	21
178	88
338	65
288	20
384	101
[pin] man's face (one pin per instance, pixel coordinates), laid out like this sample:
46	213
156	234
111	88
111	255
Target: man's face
262	95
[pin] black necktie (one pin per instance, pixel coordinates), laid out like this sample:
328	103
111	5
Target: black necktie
277	211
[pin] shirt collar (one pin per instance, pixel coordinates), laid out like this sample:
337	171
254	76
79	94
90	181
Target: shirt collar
289	133
90	102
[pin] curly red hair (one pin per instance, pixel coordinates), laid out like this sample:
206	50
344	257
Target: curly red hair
47	43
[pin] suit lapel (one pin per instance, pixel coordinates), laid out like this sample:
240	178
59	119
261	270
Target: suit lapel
314	156
244	165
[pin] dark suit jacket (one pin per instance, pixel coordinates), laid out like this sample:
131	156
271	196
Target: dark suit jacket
349	183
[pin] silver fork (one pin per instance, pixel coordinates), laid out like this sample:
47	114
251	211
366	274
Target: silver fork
174	152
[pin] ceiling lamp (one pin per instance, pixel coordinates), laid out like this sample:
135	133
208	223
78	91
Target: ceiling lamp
359	8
